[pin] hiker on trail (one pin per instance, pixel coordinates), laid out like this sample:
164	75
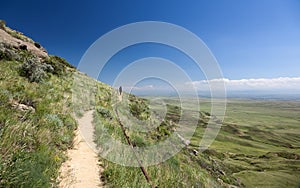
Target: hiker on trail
120	90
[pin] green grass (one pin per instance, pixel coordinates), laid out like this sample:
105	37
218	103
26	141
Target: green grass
258	146
33	141
182	170
274	179
260	140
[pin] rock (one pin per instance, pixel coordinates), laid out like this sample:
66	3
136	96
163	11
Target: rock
22	107
17	44
222	172
37	45
185	142
23	47
195	152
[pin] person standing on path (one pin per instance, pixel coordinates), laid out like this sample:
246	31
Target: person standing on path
120	90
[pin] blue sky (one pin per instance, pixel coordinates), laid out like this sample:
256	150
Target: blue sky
250	39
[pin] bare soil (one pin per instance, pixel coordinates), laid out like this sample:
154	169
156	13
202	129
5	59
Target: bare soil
82	168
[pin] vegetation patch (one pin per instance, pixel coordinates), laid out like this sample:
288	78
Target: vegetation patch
35	124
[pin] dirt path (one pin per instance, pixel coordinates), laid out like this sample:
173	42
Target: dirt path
82	169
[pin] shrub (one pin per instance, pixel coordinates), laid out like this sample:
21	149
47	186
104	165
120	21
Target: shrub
58	69
2	24
34	70
139	107
59	64
4	56
61	61
104	112
7	53
138	141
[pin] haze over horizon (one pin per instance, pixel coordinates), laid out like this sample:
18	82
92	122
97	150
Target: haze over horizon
256	43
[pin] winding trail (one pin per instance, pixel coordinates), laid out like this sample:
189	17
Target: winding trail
82	169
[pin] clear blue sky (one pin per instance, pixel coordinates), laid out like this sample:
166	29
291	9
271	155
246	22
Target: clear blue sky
250	39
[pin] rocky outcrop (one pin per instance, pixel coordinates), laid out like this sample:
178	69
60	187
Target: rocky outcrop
12	42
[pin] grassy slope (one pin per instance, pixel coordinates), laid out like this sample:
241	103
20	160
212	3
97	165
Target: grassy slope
182	170
259	141
258	144
32	142
36	123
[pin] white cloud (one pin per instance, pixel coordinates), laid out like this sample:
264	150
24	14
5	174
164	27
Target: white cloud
139	88
281	83
146	88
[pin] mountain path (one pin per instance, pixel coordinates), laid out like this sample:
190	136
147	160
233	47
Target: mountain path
82	167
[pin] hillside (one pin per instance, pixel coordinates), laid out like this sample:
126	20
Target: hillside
36	120
36	125
41	95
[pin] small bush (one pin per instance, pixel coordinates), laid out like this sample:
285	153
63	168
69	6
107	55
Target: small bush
2	24
58	69
59	64
4	56
138	141
104	112
34	70
139	107
7	53
62	61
